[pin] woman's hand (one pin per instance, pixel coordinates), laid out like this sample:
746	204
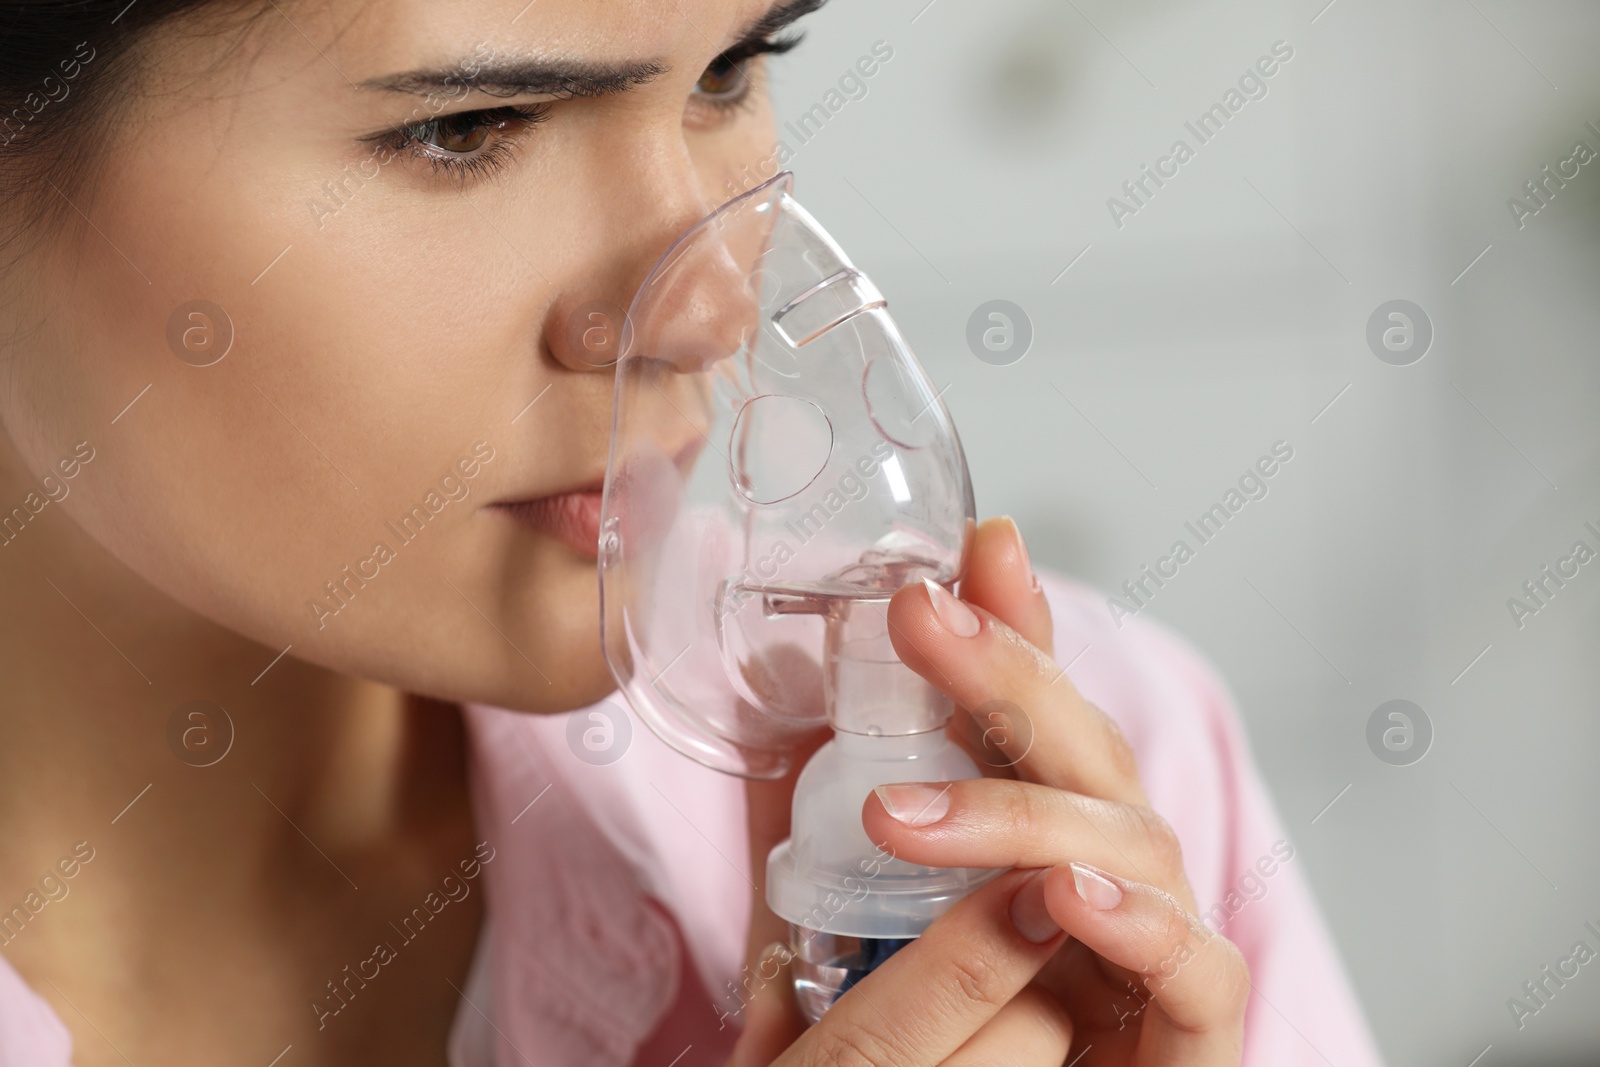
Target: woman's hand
1140	981
958	994
1143	981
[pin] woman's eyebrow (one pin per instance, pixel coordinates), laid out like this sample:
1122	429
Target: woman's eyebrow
523	77
539	77
777	17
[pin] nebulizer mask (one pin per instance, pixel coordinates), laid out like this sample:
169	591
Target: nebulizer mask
780	464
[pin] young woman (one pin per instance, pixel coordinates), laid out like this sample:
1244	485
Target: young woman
298	490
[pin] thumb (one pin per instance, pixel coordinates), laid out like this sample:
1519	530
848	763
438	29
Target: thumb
772	1019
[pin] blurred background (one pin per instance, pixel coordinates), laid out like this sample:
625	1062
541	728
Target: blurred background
1441	458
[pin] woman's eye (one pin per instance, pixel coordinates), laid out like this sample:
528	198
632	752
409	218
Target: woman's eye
459	133
722	80
728	81
467	132
471	142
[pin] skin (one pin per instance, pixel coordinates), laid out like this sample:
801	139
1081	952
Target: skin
419	318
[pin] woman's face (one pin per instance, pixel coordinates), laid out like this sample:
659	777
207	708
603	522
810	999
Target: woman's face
417	318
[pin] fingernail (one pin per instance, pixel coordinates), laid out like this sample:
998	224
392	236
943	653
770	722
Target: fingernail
953	614
913	803
1028	913
1022	550
1097	891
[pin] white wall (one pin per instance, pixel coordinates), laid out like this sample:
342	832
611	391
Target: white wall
1224	316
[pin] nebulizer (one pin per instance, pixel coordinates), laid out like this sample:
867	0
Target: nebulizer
779	466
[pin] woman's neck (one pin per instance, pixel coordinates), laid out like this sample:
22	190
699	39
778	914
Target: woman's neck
323	775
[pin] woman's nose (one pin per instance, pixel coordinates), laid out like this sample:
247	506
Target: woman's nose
700	306
686	295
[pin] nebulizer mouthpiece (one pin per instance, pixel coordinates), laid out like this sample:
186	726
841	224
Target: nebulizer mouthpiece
780	464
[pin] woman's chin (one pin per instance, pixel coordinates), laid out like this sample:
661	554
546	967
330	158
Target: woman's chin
581	679
554	676
580	685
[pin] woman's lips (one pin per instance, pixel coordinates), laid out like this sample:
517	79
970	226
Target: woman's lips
571	518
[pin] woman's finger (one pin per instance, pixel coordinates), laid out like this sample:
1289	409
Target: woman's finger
929	998
993	822
1195	982
1000	579
979	661
1032	1030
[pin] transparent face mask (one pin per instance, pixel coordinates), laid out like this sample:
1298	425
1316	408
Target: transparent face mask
777	454
780	465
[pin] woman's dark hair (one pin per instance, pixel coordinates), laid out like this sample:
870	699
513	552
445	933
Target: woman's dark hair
62	63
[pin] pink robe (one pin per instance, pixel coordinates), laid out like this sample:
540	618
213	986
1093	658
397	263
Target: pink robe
617	902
